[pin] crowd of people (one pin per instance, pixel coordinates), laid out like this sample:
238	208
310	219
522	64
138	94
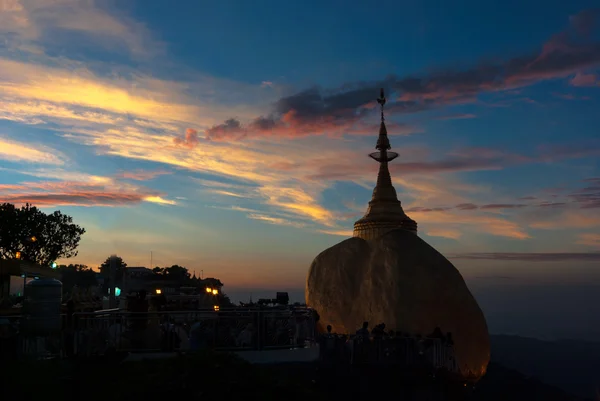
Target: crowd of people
378	345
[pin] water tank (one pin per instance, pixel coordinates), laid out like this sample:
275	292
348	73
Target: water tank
42	307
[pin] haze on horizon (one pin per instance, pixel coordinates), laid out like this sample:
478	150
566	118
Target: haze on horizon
233	137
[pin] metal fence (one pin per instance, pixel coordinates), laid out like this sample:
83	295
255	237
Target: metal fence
100	333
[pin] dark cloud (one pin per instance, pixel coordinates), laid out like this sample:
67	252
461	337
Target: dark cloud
466	206
530	257
316	111
587	197
503	206
457	117
428	209
463	160
551	204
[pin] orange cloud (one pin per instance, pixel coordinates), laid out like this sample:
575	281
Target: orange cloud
445	233
482	223
567	219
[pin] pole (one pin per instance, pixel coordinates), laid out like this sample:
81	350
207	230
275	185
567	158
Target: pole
113	275
201	274
151	267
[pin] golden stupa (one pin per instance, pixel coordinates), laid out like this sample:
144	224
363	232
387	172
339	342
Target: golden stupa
387	274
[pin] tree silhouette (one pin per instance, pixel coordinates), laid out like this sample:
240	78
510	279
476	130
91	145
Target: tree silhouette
38	237
173	273
76	275
105	271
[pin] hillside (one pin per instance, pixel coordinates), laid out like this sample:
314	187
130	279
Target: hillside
572	365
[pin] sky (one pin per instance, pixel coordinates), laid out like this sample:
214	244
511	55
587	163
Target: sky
232	137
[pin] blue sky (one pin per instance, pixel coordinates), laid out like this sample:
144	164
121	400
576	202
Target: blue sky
232	137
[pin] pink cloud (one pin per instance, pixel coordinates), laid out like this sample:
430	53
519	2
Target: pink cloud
291	125
582	79
189	140
74	193
316	111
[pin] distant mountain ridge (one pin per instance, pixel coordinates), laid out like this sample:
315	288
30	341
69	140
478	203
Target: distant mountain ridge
572	365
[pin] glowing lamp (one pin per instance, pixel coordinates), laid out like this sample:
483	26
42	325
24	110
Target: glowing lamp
216	307
215	292
117	292
208	289
18	255
54	265
33	239
158	291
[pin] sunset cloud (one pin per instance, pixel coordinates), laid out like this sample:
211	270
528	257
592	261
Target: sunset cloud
23	152
336	111
78	193
189	140
582	79
445	233
285	153
482	223
589	239
34	21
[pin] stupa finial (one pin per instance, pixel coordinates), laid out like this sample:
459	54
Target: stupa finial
385	211
381	101
383	143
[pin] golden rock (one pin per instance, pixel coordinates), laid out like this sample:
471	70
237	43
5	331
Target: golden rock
387	274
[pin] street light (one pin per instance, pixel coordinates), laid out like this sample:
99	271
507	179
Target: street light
208	289
215	292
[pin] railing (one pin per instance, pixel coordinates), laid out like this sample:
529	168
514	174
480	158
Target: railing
109	331
103	332
429	353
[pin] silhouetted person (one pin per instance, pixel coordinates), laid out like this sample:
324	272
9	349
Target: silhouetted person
437	333
379	330
363	333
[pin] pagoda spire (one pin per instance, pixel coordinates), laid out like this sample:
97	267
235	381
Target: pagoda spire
385	211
